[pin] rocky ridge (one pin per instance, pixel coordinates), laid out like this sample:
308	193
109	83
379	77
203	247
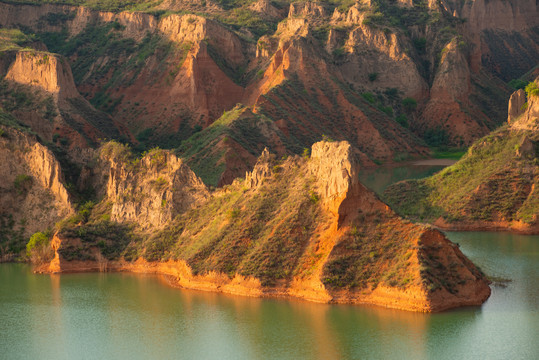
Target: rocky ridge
257	237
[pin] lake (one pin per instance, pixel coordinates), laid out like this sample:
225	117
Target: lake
129	316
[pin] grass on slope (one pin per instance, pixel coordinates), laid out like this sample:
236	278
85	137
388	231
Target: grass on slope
205	150
490	182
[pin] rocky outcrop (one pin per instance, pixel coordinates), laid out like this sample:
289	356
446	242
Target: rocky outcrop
385	51
261	171
502	34
54	108
266	9
517	105
152	190
524	112
44	70
307	9
32	190
449	107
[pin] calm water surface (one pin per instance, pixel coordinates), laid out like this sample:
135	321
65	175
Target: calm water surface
127	316
377	179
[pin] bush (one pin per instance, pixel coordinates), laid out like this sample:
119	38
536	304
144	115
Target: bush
517	84
420	44
387	109
402	120
369	97
22	183
38	249
532	89
409	104
373	76
436	137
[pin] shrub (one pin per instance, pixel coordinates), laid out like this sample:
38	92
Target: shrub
517	84
409	104
402	120
369	97
2	133
339	52
38	249
387	109
436	137
373	76
420	44
22	183
532	89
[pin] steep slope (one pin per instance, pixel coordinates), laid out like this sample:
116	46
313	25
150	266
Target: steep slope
37	87
504	34
495	184
32	192
301	227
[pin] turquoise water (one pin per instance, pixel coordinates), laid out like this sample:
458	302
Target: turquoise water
128	316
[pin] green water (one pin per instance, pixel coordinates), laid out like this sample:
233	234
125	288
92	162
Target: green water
378	179
127	316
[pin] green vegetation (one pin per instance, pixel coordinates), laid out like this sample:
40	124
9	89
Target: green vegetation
492	181
206	151
106	5
92	225
373	252
38	249
14	39
448	153
517	84
409	104
532	89
402	119
436	137
22	183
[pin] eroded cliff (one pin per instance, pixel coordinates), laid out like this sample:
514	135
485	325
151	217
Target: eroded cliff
300	227
32	192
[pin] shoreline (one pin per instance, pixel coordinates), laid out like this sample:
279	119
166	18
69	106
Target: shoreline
178	274
481	226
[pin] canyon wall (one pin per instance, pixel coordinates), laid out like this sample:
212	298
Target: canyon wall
32	190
